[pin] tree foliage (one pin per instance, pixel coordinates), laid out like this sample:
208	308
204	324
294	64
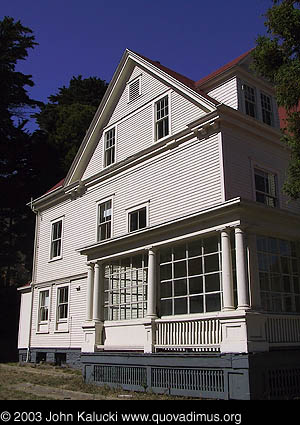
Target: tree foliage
16	172
68	114
277	58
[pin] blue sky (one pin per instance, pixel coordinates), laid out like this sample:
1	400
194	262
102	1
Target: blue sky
192	37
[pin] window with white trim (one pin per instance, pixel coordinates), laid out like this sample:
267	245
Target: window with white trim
44	306
56	239
266	187
110	147
104	226
62	303
137	219
134	89
162	118
125	288
279	274
250	100
190	277
266	109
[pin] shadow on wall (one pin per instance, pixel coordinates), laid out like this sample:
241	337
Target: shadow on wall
9	324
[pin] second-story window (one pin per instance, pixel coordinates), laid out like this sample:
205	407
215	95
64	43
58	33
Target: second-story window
56	239
249	96
162	118
266	109
109	147
137	219
104	220
265	187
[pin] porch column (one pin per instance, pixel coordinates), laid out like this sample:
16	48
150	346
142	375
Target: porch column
227	280
255	298
151	299
241	269
90	292
98	293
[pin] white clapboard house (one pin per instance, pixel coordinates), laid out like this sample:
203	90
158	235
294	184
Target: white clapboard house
168	258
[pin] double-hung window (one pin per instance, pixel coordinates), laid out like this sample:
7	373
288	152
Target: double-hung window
250	101
137	219
104	226
44	306
162	118
62	302
266	109
110	147
265	187
56	239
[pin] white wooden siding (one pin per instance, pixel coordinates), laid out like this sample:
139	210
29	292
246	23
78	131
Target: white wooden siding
74	337
179	182
24	320
134	120
240	152
151	88
226	93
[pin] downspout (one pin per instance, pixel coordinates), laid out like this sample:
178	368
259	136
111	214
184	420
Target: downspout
35	250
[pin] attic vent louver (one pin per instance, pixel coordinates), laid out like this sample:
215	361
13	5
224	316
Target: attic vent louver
134	89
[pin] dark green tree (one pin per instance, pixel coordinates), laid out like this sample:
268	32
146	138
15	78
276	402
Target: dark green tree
16	173
68	114
277	58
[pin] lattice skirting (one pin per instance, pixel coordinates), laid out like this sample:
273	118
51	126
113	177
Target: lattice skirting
214	376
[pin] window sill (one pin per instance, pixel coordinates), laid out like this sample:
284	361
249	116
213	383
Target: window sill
55	259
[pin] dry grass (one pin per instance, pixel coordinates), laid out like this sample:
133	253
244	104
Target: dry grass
17	382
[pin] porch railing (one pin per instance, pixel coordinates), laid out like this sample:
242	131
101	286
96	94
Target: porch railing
196	334
283	330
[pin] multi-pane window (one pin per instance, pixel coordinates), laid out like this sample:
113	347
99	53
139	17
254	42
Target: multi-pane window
266	109
62	302
249	95
56	239
190	277
279	274
137	219
265	187
109	147
44	306
125	288
104	220
162	118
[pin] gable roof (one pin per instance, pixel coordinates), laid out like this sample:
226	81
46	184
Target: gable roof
185	80
191	84
223	68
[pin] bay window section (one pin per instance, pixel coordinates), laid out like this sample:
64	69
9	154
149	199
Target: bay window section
279	274
125	288
190	277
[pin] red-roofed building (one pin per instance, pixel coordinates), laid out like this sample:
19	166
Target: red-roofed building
168	258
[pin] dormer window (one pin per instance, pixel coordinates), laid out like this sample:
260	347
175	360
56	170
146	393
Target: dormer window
266	109
134	89
250	102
